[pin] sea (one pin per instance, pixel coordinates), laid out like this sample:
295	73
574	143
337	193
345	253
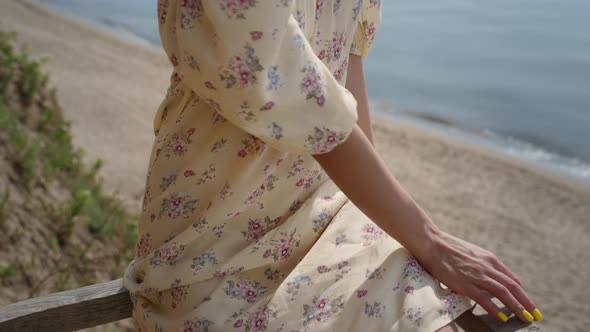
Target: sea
511	75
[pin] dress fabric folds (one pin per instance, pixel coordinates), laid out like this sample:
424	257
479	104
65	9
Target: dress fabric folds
240	228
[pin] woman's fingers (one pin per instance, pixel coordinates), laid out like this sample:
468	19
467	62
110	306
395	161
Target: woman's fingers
504	293
518	292
483	299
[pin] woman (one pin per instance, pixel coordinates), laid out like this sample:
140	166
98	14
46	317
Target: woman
266	206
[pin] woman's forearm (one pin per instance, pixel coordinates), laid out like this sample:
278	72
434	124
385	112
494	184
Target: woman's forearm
355	83
361	174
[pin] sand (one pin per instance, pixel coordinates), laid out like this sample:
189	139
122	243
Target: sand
537	223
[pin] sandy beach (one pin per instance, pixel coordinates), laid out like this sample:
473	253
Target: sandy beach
538	224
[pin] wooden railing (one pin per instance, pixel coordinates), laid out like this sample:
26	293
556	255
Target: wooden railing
110	301
70	310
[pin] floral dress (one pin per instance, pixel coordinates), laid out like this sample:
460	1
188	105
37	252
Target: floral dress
240	227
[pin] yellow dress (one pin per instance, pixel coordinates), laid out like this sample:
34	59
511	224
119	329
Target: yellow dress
240	228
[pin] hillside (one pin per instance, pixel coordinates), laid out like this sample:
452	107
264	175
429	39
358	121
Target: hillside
58	229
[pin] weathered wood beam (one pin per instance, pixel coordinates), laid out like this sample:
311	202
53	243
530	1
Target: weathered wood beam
69	310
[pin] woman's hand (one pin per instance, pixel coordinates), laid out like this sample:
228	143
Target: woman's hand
357	169
478	274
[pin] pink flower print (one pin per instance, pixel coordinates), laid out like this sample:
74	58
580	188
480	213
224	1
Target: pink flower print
310	177
241	69
258	227
201	325
152	217
312	83
282	247
210	85
178	204
256	35
144	245
323	269
162	10
409	290
178	292
371	232
369	32
167	255
319	7
179	147
322	309
190	10
189	173
333	47
236	8
413	270
339	73
175	81
324	139
251	144
321	100
174	60
360	293
258	321
322	54
238	323
450	304
267	106
247	290
267	253
267	185
178	144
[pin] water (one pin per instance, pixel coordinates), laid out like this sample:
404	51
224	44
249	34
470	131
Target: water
517	72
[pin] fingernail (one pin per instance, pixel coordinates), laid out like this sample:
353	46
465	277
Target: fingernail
527	315
537	314
502	316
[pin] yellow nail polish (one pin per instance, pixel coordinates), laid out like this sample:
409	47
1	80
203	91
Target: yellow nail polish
527	315
502	316
537	314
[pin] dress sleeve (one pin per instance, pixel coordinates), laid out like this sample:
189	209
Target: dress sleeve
251	62
368	23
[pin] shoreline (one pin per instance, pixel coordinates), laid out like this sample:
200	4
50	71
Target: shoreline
471	142
435	127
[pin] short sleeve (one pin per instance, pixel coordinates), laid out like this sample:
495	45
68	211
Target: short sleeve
368	23
251	62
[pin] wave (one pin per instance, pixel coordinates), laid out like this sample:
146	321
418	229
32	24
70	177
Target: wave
544	157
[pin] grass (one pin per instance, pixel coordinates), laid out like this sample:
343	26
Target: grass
38	144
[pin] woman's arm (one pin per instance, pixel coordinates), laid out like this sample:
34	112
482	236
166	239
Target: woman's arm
357	169
355	83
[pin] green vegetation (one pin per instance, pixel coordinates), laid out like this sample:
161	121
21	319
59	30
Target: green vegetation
36	144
